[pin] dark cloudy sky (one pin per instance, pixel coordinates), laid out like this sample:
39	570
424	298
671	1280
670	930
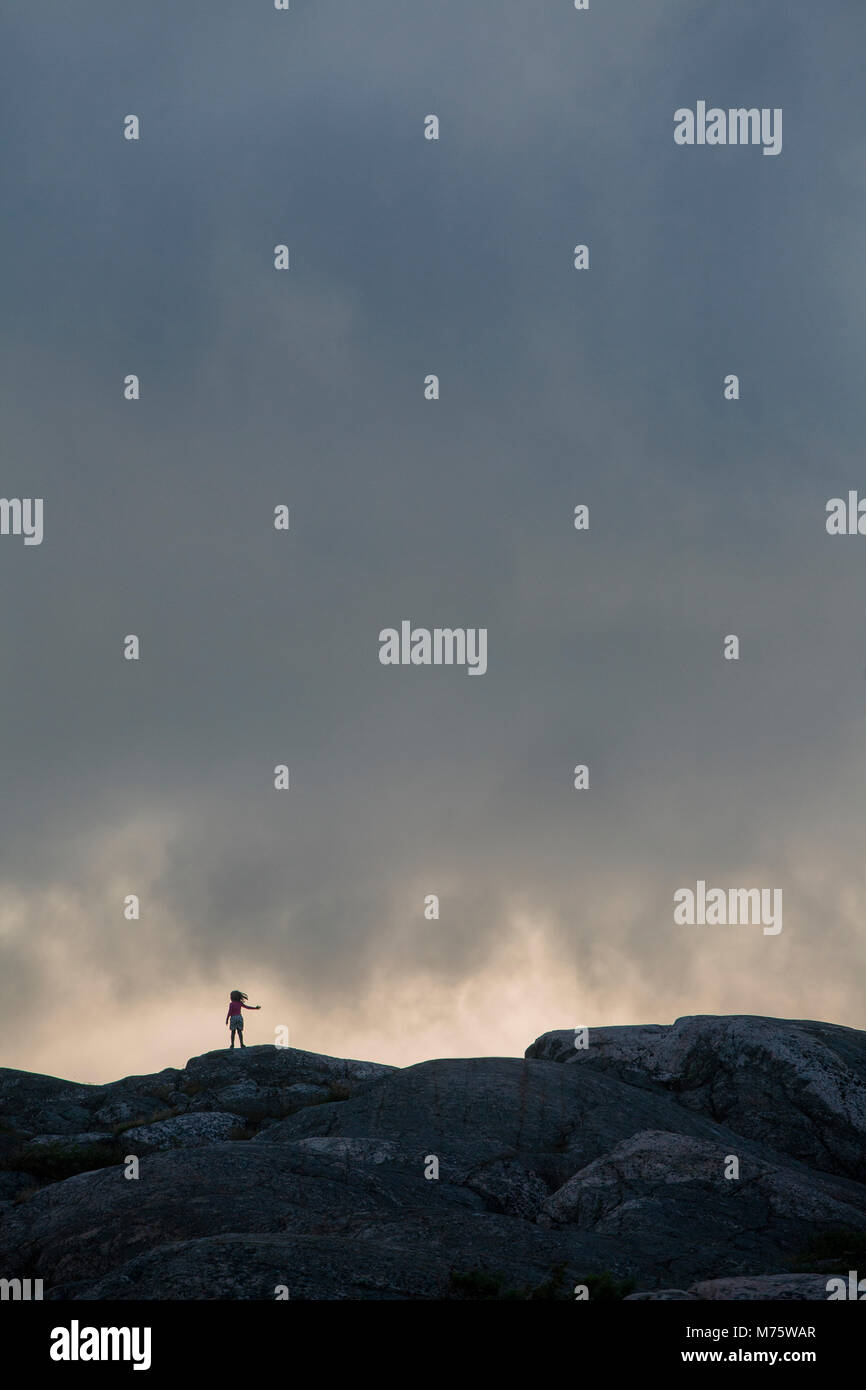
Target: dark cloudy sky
411	257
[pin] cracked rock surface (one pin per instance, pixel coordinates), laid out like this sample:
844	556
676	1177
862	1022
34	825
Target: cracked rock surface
706	1159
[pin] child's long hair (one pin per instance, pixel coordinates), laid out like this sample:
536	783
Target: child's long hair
236	996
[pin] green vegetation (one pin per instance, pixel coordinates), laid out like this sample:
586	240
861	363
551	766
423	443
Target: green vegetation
25	1194
833	1251
242	1132
54	1162
486	1285
153	1119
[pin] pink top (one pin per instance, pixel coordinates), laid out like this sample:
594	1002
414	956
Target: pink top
235	1007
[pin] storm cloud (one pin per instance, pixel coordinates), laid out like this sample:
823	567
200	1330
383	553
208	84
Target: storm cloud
558	387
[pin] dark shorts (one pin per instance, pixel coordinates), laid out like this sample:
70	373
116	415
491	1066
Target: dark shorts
236	1021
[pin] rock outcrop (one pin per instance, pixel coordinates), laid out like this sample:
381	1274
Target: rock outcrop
712	1158
800	1086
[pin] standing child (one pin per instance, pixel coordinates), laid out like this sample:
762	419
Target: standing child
235	1018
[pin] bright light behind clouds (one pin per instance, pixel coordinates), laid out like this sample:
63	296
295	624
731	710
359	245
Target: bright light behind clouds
306	388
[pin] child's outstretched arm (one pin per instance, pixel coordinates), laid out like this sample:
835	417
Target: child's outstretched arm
251	1006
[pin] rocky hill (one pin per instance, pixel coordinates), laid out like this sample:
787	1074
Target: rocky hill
603	1166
